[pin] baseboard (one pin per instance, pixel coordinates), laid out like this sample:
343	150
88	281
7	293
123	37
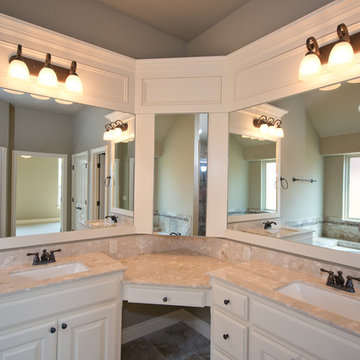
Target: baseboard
147	327
37	221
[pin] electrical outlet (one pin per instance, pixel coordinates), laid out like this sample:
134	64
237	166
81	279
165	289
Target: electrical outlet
113	247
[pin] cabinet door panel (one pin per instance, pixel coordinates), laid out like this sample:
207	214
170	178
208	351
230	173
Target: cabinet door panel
89	335
262	348
32	343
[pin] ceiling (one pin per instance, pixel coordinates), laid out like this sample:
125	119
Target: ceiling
334	112
183	19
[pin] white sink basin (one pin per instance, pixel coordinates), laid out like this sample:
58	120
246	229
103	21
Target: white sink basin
328	300
47	272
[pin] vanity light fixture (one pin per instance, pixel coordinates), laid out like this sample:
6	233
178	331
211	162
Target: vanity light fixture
338	55
39	97
269	126
310	65
114	130
13	92
17	66
342	53
63	102
330	87
47	74
73	82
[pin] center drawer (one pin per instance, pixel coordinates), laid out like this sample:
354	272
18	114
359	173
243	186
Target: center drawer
164	295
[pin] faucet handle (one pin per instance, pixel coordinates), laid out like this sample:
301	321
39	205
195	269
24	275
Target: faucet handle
349	283
52	256
36	260
331	277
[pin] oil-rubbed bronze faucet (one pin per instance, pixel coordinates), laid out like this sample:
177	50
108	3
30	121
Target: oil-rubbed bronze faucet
338	281
267	224
45	258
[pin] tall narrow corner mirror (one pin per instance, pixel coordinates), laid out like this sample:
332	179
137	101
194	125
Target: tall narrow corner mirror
55	162
180	174
254	166
123	167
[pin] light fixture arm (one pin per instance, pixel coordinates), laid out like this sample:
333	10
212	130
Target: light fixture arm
343	32
312	46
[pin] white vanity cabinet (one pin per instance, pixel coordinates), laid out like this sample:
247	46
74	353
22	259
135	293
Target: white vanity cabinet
247	326
74	321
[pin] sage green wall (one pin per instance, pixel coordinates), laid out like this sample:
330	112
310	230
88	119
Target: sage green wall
300	158
36	194
238	176
175	168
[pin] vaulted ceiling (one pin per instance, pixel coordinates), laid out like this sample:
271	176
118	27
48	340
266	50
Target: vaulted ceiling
183	19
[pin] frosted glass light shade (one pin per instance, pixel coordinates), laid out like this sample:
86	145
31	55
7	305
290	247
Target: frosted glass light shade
279	133
264	128
74	84
309	66
117	133
272	130
107	136
18	69
341	55
47	77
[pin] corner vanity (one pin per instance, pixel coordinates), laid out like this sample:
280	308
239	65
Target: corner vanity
78	315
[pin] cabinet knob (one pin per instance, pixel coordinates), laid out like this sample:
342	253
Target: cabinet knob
226	301
226	336
52	330
63	326
165	299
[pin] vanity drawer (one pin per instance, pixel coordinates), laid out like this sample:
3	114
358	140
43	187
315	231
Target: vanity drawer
231	301
312	337
229	335
164	296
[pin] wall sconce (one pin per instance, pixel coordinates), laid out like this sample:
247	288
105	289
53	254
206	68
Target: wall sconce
338	55
114	130
269	126
21	67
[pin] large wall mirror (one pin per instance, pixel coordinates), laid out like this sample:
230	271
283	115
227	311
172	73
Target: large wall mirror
180	174
56	169
319	166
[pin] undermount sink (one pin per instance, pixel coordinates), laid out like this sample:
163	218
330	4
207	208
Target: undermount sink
47	272
328	300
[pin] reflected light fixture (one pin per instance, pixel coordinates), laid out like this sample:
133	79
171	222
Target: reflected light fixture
330	87
26	156
17	67
114	130
47	75
269	126
73	82
342	54
310	64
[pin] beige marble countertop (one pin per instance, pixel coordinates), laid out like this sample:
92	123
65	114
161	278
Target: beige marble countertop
278	232
97	263
182	268
263	279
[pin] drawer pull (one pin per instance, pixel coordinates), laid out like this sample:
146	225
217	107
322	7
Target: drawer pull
64	326
52	330
226	301
226	336
165	299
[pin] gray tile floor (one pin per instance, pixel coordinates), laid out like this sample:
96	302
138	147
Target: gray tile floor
176	342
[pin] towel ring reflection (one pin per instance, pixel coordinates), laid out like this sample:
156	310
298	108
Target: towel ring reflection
284	183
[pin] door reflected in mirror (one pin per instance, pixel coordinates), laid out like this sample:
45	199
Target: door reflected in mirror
55	166
320	167
180	174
